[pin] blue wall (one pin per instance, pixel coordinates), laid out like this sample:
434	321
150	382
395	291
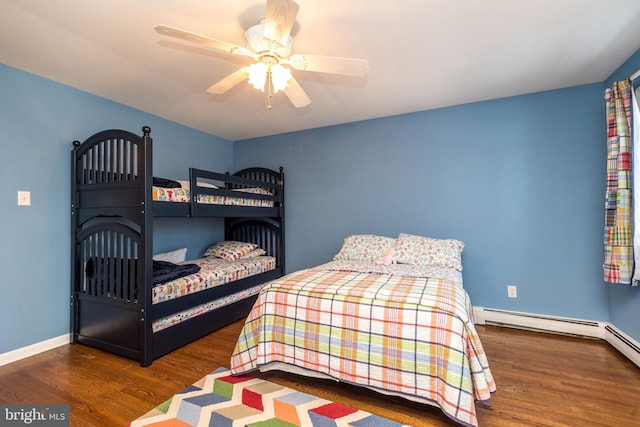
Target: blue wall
520	180
38	121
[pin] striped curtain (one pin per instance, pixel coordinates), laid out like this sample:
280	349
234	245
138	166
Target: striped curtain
618	231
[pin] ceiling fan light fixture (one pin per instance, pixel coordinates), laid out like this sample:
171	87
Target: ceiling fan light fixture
280	77
260	74
257	75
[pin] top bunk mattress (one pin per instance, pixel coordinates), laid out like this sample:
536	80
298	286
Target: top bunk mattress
182	195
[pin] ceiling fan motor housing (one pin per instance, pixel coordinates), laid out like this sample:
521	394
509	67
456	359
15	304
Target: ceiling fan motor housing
254	39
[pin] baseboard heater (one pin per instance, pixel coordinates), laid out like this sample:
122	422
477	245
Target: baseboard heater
623	343
626	345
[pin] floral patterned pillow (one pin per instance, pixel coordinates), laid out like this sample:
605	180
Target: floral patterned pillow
254	253
418	250
229	249
364	247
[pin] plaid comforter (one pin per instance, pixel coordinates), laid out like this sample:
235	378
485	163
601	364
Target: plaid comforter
403	334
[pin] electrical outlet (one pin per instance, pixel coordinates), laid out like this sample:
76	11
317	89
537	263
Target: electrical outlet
512	291
24	198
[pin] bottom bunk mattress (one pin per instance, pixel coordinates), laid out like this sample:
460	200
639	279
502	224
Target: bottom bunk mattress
213	272
396	329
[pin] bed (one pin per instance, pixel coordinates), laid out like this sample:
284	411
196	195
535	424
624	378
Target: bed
125	301
403	329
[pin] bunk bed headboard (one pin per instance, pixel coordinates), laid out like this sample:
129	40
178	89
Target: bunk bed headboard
267	233
111	174
259	174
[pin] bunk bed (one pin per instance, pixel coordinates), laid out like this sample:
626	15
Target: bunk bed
119	302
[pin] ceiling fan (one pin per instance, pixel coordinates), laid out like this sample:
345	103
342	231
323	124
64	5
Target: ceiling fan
270	45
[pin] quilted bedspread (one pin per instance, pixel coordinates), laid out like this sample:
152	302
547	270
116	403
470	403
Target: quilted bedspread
407	335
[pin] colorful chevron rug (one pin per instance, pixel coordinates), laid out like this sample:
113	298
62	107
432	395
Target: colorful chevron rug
222	400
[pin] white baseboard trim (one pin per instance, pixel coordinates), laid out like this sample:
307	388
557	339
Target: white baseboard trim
33	349
626	345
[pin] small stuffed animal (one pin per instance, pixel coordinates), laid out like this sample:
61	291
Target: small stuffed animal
388	258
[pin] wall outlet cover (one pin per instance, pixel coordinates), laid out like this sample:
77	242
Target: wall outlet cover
24	198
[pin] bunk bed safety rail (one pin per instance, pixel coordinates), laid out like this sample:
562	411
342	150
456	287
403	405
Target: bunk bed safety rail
229	184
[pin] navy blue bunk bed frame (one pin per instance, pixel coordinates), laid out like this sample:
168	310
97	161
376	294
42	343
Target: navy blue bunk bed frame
112	215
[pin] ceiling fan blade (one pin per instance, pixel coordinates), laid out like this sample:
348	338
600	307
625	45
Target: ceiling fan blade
205	40
279	19
230	81
296	94
330	64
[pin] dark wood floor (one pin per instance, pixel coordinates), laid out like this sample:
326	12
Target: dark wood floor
543	380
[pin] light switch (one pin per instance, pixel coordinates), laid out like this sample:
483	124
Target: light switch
24	198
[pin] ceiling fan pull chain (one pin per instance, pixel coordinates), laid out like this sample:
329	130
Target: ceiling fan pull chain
269	88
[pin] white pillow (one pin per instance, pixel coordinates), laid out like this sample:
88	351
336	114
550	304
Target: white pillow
176	257
207	185
186	185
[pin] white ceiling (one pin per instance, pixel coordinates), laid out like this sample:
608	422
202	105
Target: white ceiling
422	54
